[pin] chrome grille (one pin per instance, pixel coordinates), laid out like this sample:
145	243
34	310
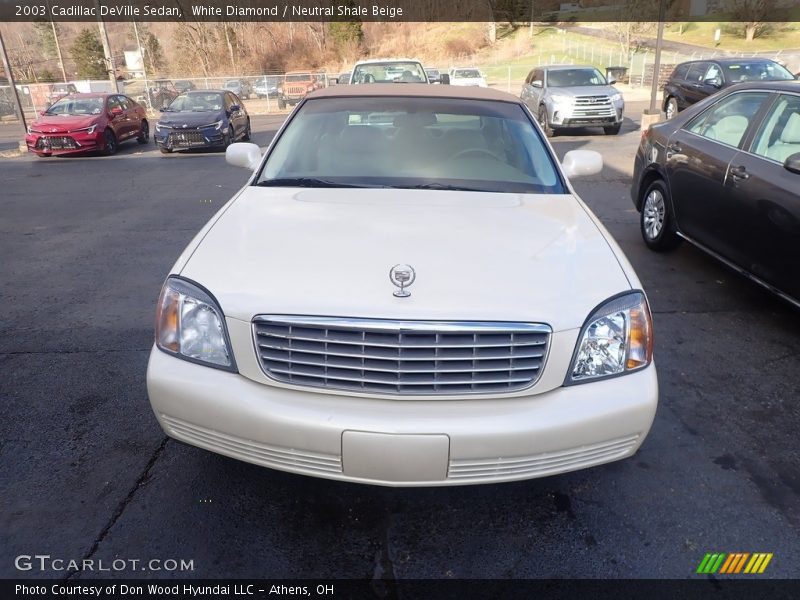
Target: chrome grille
401	357
593	106
186	138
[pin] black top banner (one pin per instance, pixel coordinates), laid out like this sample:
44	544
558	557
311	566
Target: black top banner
501	11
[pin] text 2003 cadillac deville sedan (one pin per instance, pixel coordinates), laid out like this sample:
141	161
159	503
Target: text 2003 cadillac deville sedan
407	292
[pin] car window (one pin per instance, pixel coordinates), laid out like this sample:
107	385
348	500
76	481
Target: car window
713	73
538	75
406	72
696	72
529	78
779	135
123	102
407	142
763	70
727	120
680	71
113	102
575	77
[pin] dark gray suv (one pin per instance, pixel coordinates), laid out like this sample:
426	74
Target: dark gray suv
692	81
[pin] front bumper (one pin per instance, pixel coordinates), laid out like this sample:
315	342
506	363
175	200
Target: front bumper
566	116
56	144
186	139
402	442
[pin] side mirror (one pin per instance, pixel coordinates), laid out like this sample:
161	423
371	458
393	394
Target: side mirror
612	80
235	108
243	154
162	109
713	82
792	163
444	79
537	84
580	163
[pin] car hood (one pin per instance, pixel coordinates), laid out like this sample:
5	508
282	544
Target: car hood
190	118
477	256
63	123
584	90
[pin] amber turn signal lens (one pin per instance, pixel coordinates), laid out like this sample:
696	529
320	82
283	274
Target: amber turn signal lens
640	349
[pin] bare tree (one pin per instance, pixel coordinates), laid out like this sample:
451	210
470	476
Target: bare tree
753	14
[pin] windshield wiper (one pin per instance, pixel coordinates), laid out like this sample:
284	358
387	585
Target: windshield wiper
440	186
311	182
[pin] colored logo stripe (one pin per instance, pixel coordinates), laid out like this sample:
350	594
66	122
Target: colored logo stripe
734	563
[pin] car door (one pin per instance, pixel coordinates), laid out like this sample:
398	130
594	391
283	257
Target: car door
697	160
131	117
235	116
766	197
117	119
692	90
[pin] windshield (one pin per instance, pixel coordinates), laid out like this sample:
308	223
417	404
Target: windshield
412	142
756	71
575	77
389	72
466	73
87	105
196	102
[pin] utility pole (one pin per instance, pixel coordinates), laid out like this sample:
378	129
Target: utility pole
58	51
58	46
110	68
10	77
530	26
653	114
144	62
662	10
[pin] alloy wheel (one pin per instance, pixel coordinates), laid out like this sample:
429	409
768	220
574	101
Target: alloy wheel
654	211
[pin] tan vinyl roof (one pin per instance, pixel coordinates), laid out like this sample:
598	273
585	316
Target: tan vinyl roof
413	90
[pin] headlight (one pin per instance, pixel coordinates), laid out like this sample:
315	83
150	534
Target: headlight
90	130
557	99
190	325
616	97
617	338
216	125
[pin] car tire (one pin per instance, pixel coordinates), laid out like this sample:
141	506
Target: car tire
247	132
281	103
613	129
144	133
544	122
109	142
656	220
671	108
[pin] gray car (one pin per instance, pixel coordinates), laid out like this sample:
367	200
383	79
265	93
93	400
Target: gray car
571	96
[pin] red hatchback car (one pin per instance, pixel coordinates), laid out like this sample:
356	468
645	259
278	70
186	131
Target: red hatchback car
87	123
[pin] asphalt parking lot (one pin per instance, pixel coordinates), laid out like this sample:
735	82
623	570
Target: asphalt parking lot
87	472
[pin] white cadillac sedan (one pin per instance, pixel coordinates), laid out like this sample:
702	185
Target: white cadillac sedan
406	292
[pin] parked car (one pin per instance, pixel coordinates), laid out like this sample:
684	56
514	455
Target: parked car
344	78
81	123
184	85
407	292
240	87
59	90
467	77
267	87
202	119
295	86
434	76
403	70
156	94
569	96
725	176
692	81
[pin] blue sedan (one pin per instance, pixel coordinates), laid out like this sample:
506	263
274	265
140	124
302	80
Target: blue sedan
202	119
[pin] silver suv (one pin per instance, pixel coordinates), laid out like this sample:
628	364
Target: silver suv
566	96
